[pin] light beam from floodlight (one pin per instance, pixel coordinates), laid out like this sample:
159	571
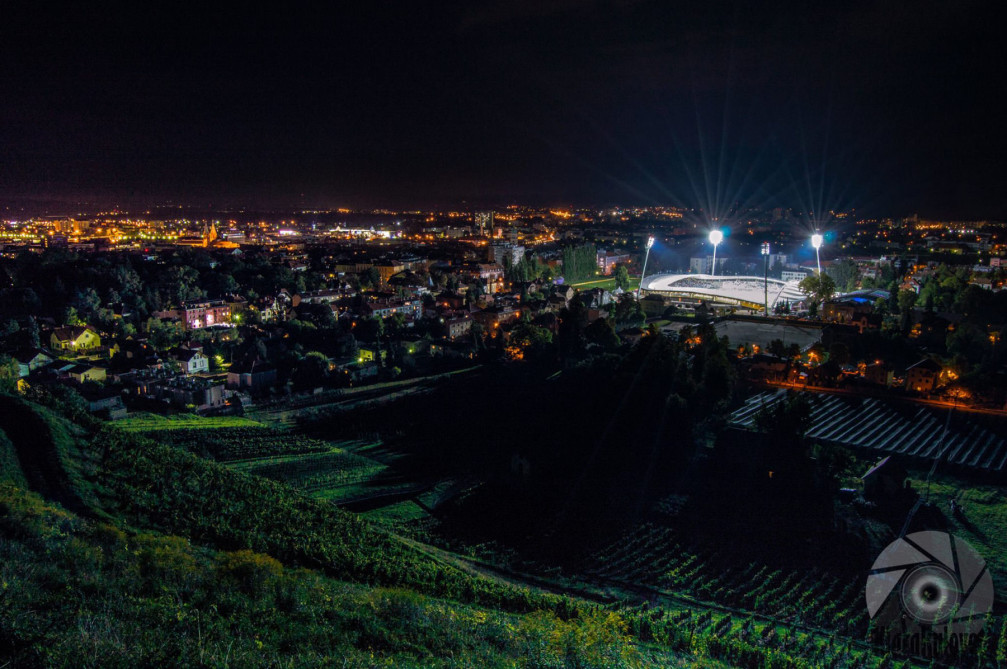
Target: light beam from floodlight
816	241
716	236
643	272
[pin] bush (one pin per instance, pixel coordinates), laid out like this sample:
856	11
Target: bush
253	572
164	561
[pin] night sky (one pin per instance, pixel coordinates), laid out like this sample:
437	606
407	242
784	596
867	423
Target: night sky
892	108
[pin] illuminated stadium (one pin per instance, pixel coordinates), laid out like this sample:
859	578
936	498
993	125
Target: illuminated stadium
737	291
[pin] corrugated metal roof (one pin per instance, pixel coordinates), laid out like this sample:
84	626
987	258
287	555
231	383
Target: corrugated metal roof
867	423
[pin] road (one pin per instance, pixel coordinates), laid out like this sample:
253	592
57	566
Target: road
940	404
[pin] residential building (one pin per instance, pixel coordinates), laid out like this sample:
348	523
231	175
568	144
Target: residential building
794	275
192	360
458	327
254	375
198	315
30	360
704	264
83	373
922	376
607	260
75	339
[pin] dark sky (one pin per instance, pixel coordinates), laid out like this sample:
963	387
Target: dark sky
888	107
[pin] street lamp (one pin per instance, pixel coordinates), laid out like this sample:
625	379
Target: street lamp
716	236
650	243
765	281
816	241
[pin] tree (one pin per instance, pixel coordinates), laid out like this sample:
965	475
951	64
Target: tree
839	353
370	278
785	423
10	372
819	287
845	273
906	302
369	329
531	339
601	333
628	311
621	277
1002	646
474	292
777	348
968	340
572	323
71	317
579	262
311	370
163	334
87	302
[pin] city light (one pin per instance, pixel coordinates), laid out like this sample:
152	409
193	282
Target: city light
816	241
716	236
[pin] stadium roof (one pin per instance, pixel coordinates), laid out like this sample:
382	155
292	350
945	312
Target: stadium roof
746	291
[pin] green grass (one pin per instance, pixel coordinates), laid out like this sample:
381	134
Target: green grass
608	283
985	513
10	466
315	466
402	512
321	475
77	593
127	593
148	422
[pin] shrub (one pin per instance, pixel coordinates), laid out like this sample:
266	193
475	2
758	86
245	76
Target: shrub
253	572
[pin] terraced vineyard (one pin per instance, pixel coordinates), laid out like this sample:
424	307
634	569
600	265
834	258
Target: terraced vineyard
651	555
314	472
240	443
321	468
746	642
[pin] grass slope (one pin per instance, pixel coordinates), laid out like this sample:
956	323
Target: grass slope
166	507
77	593
10	466
146	422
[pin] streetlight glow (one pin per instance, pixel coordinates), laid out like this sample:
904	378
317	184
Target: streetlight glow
716	236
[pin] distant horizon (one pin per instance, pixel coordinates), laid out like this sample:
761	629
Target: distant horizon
55	205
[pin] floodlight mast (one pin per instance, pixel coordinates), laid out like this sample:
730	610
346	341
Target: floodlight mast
765	279
816	241
716	236
643	272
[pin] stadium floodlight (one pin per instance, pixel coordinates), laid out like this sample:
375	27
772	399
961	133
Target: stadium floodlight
716	236
765	275
650	243
816	241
